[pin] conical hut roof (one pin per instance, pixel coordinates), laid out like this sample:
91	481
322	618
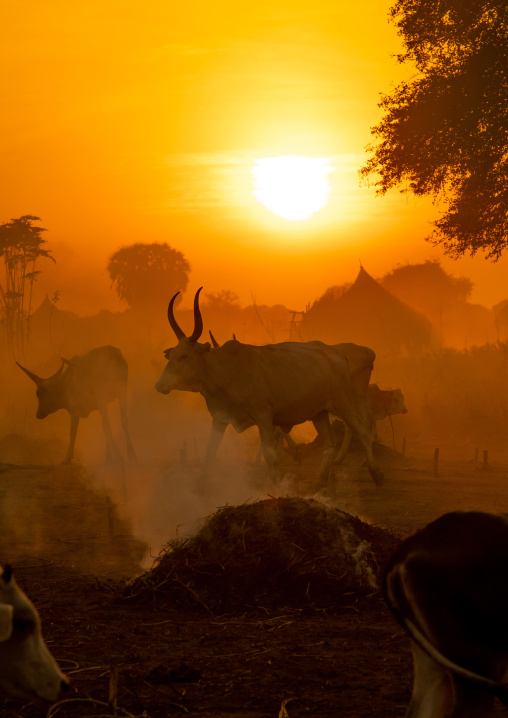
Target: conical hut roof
368	314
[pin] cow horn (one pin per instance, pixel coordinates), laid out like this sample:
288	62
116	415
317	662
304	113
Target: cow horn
198	321
171	318
33	377
215	343
60	370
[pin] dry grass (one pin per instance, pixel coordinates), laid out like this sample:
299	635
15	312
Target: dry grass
278	552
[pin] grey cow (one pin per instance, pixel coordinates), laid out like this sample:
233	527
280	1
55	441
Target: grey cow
265	386
90	382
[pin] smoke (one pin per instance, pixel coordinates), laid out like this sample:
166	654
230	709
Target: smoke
449	394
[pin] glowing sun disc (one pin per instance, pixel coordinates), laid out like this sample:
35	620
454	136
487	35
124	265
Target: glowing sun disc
292	186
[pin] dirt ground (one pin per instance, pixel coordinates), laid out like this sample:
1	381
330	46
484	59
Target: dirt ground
73	547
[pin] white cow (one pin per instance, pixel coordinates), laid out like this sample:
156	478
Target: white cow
448	587
27	668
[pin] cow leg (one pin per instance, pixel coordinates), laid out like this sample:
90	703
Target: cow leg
292	447
365	436
323	427
432	688
216	436
72	440
346	443
355	415
122	401
278	438
111	447
267	437
353	412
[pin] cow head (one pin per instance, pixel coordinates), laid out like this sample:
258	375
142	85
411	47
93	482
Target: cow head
27	668
50	392
396	402
184	368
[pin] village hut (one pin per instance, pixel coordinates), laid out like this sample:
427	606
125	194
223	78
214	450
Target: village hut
55	332
49	329
366	313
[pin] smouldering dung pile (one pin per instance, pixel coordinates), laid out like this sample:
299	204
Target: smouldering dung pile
278	552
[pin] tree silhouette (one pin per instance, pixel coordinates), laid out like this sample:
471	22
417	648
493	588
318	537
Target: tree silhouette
21	247
145	274
427	288
444	132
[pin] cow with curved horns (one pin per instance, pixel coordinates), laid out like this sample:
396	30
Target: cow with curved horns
361	363
447	585
89	383
27	668
265	386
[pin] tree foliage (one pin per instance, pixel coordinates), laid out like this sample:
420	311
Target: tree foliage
445	131
22	248
146	274
427	287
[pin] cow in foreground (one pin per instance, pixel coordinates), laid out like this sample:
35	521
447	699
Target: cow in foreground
27	668
265	386
380	404
448	587
89	383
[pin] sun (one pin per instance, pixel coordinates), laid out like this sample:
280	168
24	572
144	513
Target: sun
292	186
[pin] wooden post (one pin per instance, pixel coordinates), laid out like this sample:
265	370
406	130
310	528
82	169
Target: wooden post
485	459
404	446
436	461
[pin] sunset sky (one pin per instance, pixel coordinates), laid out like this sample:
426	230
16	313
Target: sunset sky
129	122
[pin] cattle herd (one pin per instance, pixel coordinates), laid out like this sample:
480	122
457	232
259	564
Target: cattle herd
446	585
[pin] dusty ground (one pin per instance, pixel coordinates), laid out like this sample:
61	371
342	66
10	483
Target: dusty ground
72	549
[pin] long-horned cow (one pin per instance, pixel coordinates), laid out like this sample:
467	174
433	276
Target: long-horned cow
27	668
89	383
265	386
448	587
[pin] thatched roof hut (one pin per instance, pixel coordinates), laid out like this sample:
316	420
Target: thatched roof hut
368	314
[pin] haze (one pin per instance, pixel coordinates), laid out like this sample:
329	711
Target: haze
124	123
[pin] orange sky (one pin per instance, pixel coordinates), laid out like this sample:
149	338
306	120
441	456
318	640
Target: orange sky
124	122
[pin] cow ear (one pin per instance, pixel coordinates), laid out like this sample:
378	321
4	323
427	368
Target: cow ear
6	615
205	347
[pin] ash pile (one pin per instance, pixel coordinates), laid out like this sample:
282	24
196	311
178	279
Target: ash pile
284	552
